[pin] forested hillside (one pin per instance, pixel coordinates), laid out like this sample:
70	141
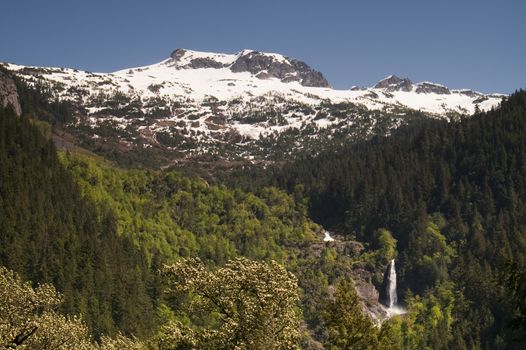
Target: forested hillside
453	195
50	233
182	263
171	215
101	235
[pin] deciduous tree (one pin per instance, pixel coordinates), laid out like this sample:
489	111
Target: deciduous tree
251	305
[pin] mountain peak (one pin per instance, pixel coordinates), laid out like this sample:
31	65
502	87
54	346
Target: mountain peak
271	65
177	53
245	52
202	103
394	83
260	64
189	59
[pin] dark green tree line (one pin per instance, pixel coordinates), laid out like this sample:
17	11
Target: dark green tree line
50	233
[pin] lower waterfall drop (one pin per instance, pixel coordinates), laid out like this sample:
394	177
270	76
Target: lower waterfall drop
392	297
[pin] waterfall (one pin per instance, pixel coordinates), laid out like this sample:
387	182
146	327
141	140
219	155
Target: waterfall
328	237
390	298
391	291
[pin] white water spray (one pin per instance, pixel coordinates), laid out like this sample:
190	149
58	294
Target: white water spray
392	303
393	297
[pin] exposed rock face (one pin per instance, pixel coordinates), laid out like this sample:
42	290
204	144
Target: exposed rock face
262	65
8	93
205	63
469	93
430	88
196	63
309	77
350	249
286	70
177	54
394	83
364	287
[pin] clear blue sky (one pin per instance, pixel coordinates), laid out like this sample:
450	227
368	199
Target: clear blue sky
477	44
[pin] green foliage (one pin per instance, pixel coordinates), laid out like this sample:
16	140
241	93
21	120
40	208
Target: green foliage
37	101
450	193
29	319
432	263
513	278
445	199
346	324
76	237
246	305
430	320
50	234
386	245
179	216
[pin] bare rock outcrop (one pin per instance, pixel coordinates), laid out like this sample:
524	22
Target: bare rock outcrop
8	93
431	88
394	83
286	70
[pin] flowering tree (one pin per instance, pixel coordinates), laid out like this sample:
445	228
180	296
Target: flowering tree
29	320
254	305
28	317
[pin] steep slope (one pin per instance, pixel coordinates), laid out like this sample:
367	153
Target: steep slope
172	216
8	93
50	233
452	194
246	105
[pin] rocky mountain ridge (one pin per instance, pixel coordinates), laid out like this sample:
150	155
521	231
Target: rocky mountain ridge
393	83
250	105
261	65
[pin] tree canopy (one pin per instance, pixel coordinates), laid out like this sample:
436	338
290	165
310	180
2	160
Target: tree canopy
247	305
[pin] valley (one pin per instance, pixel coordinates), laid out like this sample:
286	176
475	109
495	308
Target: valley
237	201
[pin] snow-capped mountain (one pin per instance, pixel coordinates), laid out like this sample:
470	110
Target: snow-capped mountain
238	104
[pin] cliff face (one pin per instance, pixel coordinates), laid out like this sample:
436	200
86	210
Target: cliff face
287	70
8	93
